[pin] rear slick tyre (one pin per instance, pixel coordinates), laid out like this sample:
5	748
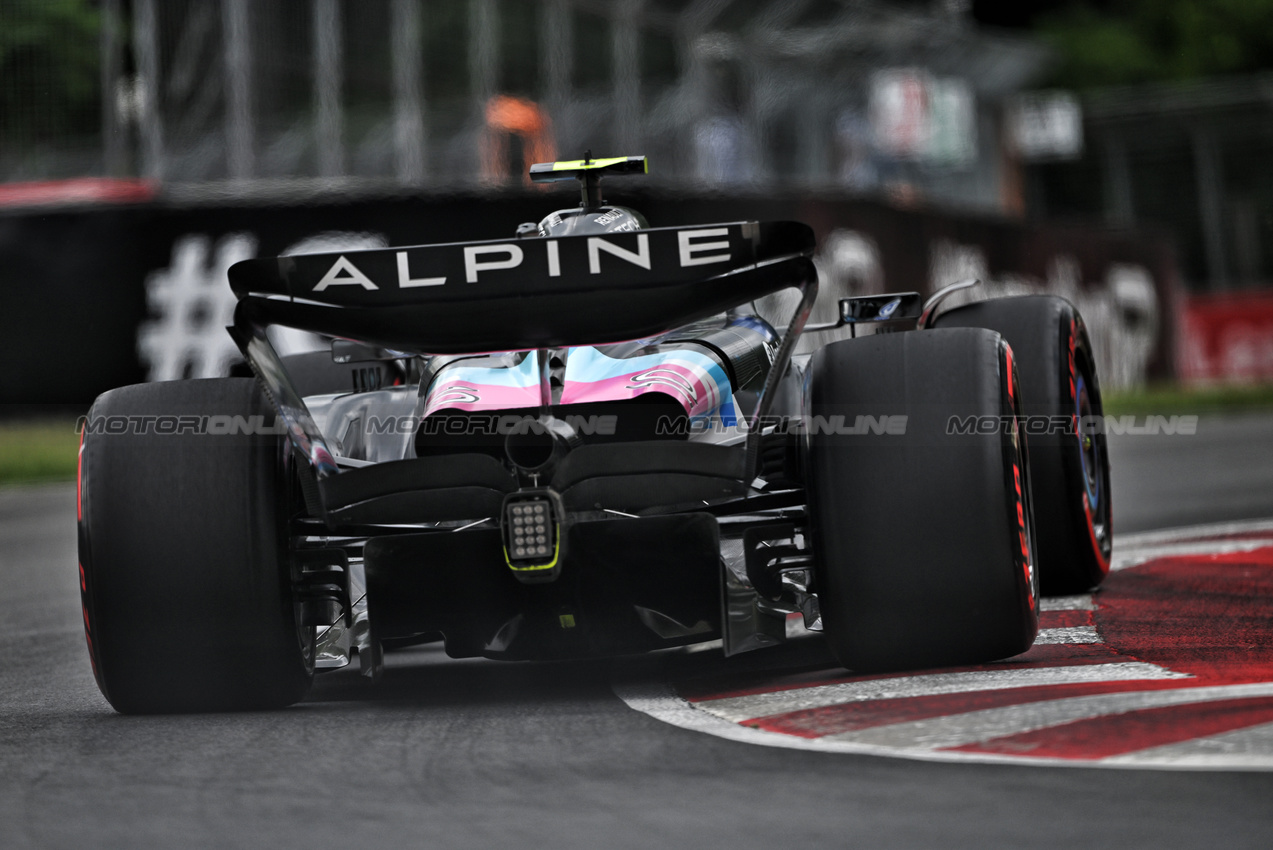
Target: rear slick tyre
1068	457
184	573
922	535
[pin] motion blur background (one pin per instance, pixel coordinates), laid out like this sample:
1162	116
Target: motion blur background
1116	153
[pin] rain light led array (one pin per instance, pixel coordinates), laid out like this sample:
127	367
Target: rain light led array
531	532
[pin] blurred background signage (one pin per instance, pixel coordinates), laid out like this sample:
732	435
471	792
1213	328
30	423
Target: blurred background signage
1046	125
916	115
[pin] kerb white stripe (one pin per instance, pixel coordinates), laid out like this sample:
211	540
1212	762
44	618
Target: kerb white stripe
1069	634
1081	602
742	708
1250	747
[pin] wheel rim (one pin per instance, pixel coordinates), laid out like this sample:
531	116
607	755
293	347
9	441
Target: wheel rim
1089	455
1092	458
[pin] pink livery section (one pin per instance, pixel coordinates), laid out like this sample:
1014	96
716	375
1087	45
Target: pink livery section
511	381
504	382
693	378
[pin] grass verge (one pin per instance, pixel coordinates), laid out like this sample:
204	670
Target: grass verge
1169	399
44	450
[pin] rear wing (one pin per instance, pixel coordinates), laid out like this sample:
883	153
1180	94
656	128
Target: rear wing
473	297
525	293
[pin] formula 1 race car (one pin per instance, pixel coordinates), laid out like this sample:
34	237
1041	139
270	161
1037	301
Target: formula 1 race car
581	441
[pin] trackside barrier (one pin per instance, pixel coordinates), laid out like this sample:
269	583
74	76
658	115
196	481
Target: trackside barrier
104	295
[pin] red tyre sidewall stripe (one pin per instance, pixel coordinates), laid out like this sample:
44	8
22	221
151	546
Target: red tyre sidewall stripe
79	481
85	557
1023	539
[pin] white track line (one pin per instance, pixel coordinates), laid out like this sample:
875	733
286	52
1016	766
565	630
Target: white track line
1135	557
737	709
1131	550
1216	529
1069	634
1081	602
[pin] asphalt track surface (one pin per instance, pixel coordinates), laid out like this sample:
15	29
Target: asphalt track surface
480	754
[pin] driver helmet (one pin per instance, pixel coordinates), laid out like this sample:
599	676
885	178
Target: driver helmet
578	221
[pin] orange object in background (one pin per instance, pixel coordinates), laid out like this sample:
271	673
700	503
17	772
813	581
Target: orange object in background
518	134
1227	337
